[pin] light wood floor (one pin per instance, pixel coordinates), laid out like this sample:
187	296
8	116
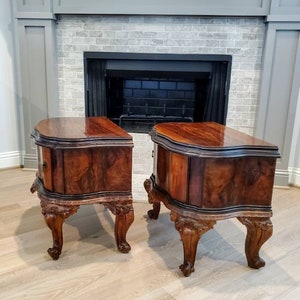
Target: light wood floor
90	267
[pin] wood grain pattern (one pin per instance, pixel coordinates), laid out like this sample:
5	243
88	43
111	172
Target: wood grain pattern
209	139
208	135
201	187
80	128
172	173
213	182
84	155
238	181
84	161
91	266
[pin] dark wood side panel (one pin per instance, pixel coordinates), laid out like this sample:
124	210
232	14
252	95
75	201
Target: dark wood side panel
219	183
162	158
97	169
255	178
58	171
178	176
238	181
46	165
78	169
116	168
196	174
172	173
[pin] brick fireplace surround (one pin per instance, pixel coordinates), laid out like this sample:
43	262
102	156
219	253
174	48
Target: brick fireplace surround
240	37
240	32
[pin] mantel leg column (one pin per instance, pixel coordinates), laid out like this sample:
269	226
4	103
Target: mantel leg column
55	216
190	231
259	230
124	217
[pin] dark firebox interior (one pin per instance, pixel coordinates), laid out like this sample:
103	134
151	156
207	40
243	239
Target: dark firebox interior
137	91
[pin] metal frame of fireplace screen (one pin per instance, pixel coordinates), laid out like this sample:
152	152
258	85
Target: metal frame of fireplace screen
138	90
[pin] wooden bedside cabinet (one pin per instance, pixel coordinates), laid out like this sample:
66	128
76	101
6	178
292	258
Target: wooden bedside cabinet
205	172
83	161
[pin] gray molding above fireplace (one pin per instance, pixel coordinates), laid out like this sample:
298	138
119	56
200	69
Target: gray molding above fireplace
145	7
279	79
274	10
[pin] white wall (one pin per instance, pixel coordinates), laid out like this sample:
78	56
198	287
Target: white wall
294	164
10	145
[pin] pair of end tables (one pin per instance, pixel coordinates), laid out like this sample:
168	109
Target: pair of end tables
203	172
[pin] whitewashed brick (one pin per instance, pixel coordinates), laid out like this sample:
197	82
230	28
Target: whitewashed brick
240	37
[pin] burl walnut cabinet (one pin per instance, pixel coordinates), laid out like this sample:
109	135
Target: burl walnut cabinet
83	161
205	172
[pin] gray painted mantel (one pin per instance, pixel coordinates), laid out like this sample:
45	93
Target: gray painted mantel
280	75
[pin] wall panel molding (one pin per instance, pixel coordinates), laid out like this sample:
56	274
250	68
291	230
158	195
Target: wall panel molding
39	78
279	92
34	9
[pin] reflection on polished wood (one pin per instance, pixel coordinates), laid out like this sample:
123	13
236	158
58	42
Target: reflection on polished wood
83	161
205	172
93	269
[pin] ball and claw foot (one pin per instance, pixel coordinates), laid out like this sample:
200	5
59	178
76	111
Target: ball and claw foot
152	214
256	263
124	247
187	269
54	253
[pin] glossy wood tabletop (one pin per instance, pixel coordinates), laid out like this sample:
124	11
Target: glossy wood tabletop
207	134
80	128
76	131
209	138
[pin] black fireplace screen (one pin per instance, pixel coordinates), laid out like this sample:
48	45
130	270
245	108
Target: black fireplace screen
137	90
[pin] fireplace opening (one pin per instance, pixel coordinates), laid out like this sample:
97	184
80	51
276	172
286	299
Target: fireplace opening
137	90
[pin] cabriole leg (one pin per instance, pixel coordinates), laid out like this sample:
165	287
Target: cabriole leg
124	218
55	216
259	230
154	198
190	231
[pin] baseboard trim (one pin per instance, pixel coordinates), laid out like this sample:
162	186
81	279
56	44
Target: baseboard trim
294	179
10	159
